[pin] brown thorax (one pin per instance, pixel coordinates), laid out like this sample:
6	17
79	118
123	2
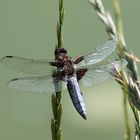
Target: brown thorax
68	65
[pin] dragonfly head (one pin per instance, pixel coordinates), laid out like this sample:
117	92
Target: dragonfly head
61	54
58	51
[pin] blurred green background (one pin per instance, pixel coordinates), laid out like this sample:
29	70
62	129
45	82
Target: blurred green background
28	29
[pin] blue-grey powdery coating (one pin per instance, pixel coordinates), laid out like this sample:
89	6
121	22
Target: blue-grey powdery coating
76	96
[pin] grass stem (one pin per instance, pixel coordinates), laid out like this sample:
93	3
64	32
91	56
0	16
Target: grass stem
121	53
56	98
128	79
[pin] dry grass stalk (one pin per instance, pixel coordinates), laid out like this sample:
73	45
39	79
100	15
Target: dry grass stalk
127	79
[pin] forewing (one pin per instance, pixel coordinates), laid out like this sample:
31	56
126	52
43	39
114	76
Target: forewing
26	65
98	54
102	72
43	84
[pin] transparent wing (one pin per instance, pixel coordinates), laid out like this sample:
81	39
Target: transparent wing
26	65
100	73
93	77
98	54
43	84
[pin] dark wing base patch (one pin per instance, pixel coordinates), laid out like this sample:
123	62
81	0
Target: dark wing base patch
80	73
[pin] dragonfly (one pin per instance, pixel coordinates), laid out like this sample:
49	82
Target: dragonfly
65	72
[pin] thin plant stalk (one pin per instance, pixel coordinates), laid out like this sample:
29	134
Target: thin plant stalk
133	69
127	79
56	98
121	48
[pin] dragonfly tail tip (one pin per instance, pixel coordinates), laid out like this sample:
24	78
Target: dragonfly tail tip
84	116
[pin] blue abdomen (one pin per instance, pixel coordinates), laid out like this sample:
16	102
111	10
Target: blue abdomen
76	96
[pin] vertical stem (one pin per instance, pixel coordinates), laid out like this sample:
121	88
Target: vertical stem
121	42
121	49
56	98
137	123
127	135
